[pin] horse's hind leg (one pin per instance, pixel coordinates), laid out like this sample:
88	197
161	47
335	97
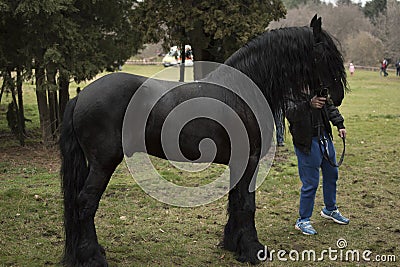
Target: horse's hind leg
89	252
240	233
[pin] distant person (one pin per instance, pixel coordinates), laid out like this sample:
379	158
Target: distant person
188	53
352	69
175	54
384	65
398	68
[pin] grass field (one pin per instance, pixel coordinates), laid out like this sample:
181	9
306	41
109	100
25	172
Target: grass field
137	230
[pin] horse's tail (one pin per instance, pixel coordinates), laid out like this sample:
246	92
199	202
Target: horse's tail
74	171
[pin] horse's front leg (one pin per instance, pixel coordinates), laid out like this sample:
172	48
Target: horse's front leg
240	233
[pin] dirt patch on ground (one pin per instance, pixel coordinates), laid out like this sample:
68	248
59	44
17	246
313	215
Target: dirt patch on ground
12	155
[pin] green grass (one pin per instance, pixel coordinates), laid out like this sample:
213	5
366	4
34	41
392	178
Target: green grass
137	230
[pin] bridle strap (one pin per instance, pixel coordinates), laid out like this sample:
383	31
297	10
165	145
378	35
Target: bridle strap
322	140
317	60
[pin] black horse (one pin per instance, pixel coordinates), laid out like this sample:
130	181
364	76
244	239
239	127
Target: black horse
281	63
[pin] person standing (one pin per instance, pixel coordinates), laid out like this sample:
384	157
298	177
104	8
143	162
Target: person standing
384	65
309	119
351	68
398	68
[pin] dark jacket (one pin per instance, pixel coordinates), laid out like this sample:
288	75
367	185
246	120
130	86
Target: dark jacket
301	119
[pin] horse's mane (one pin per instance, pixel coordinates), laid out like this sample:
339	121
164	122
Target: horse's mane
280	62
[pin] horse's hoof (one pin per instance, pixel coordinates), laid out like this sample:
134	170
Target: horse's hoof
253	253
95	261
92	256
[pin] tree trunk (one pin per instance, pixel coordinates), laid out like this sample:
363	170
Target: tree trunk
201	69
201	52
14	121
19	132
3	87
183	59
63	82
21	113
52	97
44	113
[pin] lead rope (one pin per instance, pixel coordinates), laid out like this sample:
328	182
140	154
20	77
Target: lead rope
325	153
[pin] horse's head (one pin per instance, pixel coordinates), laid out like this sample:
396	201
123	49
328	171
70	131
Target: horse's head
328	63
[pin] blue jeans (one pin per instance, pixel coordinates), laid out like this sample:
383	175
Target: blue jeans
309	166
279	127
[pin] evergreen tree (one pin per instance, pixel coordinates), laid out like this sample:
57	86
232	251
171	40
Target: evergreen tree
64	39
215	29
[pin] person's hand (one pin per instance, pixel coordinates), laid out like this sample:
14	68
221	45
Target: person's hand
342	133
317	102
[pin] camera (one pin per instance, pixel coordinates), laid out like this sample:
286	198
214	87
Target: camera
324	92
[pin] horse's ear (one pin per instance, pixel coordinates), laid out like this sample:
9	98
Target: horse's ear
316	25
313	20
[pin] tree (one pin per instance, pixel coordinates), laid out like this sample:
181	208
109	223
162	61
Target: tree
387	29
100	35
43	29
64	39
373	8
363	49
13	59
344	22
214	29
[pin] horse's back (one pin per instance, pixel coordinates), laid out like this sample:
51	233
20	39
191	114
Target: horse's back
113	90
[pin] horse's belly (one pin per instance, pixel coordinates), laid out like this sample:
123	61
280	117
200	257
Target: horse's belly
200	140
